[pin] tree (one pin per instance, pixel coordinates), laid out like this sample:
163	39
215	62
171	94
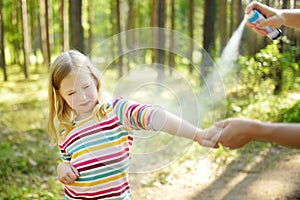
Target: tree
131	24
90	11
278	70
64	34
208	32
26	38
2	52
120	14
16	32
161	40
172	45
45	31
223	24
153	23
114	26
191	34
34	28
76	29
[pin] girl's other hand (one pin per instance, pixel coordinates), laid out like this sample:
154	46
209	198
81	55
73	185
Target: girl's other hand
67	173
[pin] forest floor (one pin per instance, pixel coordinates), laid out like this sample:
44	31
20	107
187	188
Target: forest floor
271	174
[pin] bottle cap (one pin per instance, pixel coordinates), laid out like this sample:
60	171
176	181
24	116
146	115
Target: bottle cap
253	16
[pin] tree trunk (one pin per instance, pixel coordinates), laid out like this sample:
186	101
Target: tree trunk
208	32
153	23
17	24
223	24
172	46
76	29
240	12
26	38
191	34
232	18
114	26
63	22
64	34
161	40
2	52
45	31
209	23
131	24
32	14
120	29
130	37
278	69
50	26
91	24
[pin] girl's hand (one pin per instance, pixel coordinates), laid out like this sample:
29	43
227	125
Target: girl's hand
67	173
207	138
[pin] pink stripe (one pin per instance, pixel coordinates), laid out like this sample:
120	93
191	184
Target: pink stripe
130	108
101	164
74	136
123	188
95	160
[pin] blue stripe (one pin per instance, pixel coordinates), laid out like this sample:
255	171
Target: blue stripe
101	141
106	175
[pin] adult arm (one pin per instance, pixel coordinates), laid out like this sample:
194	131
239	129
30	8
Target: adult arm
235	133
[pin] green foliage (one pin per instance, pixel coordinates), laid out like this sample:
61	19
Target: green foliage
275	68
292	114
260	85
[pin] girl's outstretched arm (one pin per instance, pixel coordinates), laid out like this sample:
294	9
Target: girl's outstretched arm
167	122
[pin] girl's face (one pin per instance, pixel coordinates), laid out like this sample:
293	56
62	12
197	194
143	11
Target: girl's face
79	90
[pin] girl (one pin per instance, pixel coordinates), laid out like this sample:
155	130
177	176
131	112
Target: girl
92	135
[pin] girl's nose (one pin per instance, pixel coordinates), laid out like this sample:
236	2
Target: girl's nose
82	96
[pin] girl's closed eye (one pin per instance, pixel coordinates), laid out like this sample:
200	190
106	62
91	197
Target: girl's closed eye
86	86
71	93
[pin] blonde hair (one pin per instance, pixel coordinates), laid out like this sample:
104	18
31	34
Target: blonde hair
61	116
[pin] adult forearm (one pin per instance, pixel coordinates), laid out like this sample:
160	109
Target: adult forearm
291	17
283	134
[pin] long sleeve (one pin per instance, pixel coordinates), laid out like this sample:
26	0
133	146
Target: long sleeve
140	116
64	156
134	115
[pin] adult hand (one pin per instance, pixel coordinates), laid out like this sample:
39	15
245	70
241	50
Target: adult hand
273	17
235	133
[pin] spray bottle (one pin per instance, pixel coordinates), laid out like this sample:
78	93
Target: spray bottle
254	16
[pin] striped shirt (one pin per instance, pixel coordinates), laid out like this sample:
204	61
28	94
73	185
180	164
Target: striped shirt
100	151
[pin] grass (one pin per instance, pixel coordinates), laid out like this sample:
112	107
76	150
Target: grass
27	162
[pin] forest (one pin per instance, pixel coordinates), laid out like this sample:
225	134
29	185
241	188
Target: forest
174	43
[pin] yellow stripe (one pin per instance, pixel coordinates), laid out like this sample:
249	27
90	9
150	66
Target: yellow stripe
84	121
99	181
90	149
143	118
